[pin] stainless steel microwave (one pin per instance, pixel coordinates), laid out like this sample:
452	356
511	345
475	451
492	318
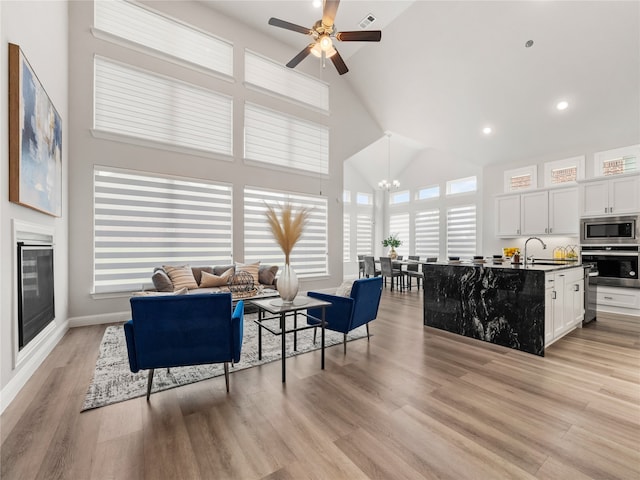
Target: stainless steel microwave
610	230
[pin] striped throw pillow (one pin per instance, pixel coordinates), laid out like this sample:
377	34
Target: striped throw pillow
181	277
251	268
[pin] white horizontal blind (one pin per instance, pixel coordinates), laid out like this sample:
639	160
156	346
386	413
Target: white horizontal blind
137	24
142	221
461	231
137	103
427	233
265	73
520	182
620	165
364	234
564	175
346	238
399	226
278	139
309	256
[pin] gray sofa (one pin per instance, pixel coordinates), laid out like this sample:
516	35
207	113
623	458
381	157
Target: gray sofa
162	282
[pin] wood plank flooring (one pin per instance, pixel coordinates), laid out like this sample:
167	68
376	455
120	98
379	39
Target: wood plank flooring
412	403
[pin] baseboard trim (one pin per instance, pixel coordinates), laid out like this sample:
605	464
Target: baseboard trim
22	376
99	319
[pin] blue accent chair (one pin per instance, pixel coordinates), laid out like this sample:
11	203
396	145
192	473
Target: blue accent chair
348	313
180	330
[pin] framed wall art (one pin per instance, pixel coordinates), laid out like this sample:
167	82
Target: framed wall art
35	140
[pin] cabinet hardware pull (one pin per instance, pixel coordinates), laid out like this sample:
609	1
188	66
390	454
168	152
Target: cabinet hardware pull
554	295
608	298
576	288
550	230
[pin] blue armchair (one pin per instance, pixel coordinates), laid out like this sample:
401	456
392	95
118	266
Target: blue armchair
180	330
348	313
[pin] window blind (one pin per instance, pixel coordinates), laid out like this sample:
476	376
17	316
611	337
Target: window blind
427	233
364	234
138	24
461	231
137	103
309	256
265	73
620	165
278	139
399	226
142	221
346	238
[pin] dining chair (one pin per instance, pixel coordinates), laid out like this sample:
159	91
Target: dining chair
370	267
394	274
413	271
361	266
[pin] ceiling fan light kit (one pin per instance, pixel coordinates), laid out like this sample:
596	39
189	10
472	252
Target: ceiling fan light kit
323	32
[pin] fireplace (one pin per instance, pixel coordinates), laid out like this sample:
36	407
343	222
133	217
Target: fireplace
35	290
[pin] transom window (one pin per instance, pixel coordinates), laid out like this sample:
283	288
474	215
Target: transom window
364	198
617	161
524	178
462	185
564	171
397	198
426	193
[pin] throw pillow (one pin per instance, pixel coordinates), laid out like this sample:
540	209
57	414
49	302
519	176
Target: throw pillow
220	269
251	268
197	272
181	277
267	274
211	280
344	290
161	281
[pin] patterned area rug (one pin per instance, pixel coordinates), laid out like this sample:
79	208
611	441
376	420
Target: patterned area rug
113	382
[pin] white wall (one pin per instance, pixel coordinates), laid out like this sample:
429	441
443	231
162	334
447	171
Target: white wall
40	28
351	129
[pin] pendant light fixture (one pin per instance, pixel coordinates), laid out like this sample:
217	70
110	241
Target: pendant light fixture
385	184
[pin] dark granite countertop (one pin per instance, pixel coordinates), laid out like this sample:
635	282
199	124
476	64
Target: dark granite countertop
507	265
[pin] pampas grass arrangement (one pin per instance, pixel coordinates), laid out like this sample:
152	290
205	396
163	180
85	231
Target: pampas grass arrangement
287	229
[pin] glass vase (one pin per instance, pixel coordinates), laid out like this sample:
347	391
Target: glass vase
288	284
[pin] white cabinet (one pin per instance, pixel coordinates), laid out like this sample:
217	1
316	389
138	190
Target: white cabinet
540	212
564	303
614	196
618	300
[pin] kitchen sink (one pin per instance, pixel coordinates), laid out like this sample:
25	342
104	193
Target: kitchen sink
545	261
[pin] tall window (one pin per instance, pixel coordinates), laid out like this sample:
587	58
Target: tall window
462	185
309	256
283	140
140	104
461	231
364	234
346	238
399	226
138	24
427	233
142	221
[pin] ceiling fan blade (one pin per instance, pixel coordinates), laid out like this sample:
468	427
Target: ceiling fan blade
276	22
338	62
329	12
301	56
365	36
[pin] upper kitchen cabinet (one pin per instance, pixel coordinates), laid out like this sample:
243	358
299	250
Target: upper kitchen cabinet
508	216
612	196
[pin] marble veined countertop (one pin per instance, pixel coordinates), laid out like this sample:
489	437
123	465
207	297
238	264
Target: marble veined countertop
507	265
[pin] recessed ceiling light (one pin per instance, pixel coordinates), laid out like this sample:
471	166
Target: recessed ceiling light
317	3
562	105
529	43
487	130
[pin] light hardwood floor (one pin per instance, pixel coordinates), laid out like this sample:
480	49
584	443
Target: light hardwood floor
414	402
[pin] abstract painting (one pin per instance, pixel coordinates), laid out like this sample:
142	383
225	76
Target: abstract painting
35	140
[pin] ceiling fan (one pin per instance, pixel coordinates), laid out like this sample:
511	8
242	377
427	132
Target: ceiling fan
322	32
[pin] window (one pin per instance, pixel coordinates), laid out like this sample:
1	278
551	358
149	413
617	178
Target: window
140	104
278	139
427	233
617	161
564	171
346	238
142	221
346	196
137	24
461	185
397	198
265	73
524	178
364	234
428	192
399	226
364	198
309	256
461	231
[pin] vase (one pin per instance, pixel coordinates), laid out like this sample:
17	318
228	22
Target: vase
288	284
392	254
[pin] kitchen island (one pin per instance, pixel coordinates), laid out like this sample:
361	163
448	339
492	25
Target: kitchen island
525	308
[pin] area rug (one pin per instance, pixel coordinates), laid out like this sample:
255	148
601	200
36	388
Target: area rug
113	382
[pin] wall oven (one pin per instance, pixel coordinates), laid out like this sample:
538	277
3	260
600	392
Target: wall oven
610	230
617	265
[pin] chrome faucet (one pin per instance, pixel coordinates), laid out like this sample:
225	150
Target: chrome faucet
544	246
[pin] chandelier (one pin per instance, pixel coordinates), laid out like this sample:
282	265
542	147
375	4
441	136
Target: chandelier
388	184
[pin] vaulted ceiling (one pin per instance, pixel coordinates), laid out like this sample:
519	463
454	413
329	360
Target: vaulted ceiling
445	70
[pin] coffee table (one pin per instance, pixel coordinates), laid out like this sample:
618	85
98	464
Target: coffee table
280	310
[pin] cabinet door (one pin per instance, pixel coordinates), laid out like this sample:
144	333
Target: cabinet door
534	209
563	211
578	302
508	216
548	314
623	195
594	197
558	306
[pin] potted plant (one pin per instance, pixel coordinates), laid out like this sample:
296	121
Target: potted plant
393	242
